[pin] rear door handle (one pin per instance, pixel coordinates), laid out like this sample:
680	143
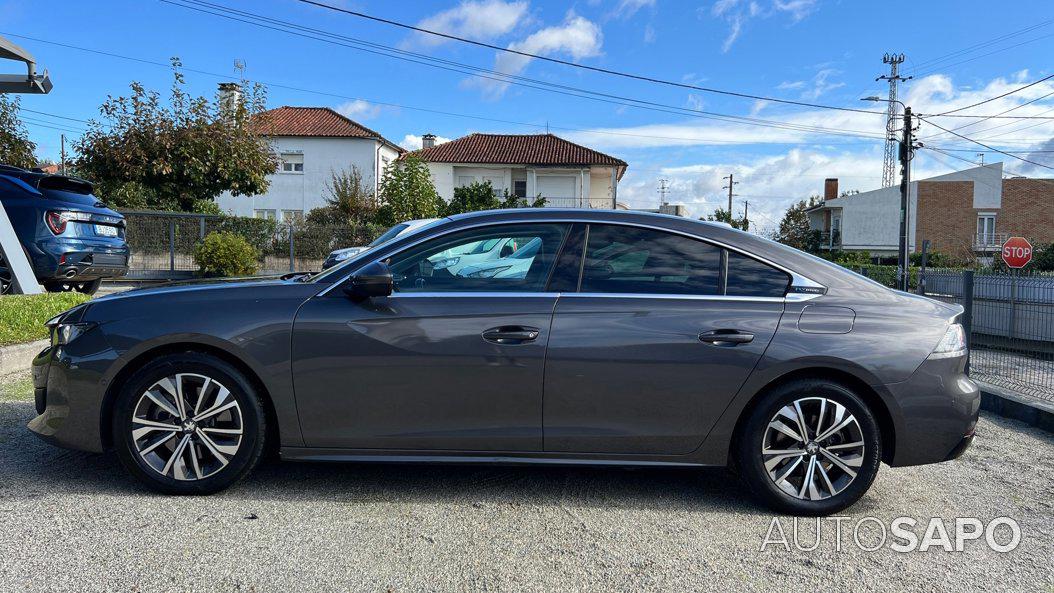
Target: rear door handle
726	337
511	334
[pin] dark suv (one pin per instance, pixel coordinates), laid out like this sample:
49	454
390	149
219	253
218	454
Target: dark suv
72	239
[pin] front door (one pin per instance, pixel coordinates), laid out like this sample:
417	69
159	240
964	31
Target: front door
648	353
450	361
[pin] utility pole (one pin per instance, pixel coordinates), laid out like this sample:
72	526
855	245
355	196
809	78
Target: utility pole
981	156
907	150
663	188
731	184
746	215
888	165
62	153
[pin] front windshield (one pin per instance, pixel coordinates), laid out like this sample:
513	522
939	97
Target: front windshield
389	234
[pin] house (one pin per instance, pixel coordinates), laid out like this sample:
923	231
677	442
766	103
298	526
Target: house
312	143
966	213
526	165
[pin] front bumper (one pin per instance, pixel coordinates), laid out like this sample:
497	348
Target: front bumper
69	393
938	405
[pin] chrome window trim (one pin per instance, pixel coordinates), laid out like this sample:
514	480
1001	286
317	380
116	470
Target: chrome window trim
797	280
604	295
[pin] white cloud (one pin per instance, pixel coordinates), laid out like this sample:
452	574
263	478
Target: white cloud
358	110
577	37
482	20
649	34
738	12
413	141
628	8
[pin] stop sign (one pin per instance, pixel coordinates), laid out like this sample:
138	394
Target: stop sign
1017	252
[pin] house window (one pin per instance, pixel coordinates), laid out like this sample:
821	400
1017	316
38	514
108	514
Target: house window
465	180
294	217
986	228
496	185
292	163
519	189
265	214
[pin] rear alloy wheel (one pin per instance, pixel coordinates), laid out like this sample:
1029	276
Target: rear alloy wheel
809	448
189	424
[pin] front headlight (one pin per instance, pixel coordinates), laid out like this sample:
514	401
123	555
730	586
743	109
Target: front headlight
488	272
341	256
953	343
64	333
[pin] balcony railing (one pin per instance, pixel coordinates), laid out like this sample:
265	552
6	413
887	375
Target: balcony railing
830	240
989	241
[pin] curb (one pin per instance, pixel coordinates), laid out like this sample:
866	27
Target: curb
19	357
1035	412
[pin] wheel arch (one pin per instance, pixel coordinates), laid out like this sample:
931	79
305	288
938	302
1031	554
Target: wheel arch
117	382
871	397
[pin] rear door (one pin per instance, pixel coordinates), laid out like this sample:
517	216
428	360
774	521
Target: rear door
650	348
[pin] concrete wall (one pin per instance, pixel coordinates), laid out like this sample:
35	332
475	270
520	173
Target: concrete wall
303	192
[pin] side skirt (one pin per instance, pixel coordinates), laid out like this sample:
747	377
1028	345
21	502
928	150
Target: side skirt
468	458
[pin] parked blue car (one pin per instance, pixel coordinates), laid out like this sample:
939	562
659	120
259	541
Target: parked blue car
72	239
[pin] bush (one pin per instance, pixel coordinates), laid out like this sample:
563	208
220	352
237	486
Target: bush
226	254
259	232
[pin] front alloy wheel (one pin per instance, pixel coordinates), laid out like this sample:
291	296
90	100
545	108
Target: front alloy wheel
189	423
187	426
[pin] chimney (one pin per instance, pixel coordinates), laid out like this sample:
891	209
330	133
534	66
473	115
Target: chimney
428	141
230	96
830	188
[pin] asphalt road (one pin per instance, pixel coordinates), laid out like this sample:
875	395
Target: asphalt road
75	522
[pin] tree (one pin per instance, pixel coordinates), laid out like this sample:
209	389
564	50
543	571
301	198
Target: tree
407	192
794	227
349	200
15	146
146	154
722	215
470	198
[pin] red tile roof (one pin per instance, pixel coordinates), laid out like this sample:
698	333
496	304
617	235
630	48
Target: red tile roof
313	121
515	149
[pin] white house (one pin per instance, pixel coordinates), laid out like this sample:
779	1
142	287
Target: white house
526	165
312	143
870	221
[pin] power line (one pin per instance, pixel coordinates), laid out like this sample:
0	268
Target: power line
983	44
461	68
990	99
633	76
1009	154
959	63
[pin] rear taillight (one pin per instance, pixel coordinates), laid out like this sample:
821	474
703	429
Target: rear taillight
56	222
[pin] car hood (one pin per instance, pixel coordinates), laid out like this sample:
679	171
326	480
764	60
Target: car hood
200	284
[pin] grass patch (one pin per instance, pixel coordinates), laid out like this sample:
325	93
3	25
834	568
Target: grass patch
22	316
17	387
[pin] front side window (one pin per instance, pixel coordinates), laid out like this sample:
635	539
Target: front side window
499	258
643	261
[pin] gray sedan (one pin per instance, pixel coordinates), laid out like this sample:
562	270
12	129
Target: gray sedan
629	339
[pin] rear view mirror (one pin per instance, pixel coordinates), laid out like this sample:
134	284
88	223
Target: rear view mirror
374	280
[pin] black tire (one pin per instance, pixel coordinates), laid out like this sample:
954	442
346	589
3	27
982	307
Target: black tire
58	287
749	443
89	287
252	420
85	286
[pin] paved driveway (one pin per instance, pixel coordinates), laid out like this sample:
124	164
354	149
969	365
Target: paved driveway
74	521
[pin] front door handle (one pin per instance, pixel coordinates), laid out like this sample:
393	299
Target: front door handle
726	337
511	334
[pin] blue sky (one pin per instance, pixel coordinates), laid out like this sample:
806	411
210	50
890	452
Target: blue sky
818	51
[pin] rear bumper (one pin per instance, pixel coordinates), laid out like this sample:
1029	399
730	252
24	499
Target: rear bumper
75	259
939	405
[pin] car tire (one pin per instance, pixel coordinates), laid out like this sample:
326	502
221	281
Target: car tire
89	287
831	472
193	449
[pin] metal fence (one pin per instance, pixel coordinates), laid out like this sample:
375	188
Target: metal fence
163	243
1009	318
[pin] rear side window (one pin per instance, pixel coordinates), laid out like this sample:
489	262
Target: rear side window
749	277
632	260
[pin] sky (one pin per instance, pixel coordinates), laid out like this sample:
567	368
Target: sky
824	52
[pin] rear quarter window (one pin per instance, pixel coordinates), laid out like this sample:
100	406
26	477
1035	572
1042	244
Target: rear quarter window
749	277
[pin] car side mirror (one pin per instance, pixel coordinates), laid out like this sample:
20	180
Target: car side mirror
374	280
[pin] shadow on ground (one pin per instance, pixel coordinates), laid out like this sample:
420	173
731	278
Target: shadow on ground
30	467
